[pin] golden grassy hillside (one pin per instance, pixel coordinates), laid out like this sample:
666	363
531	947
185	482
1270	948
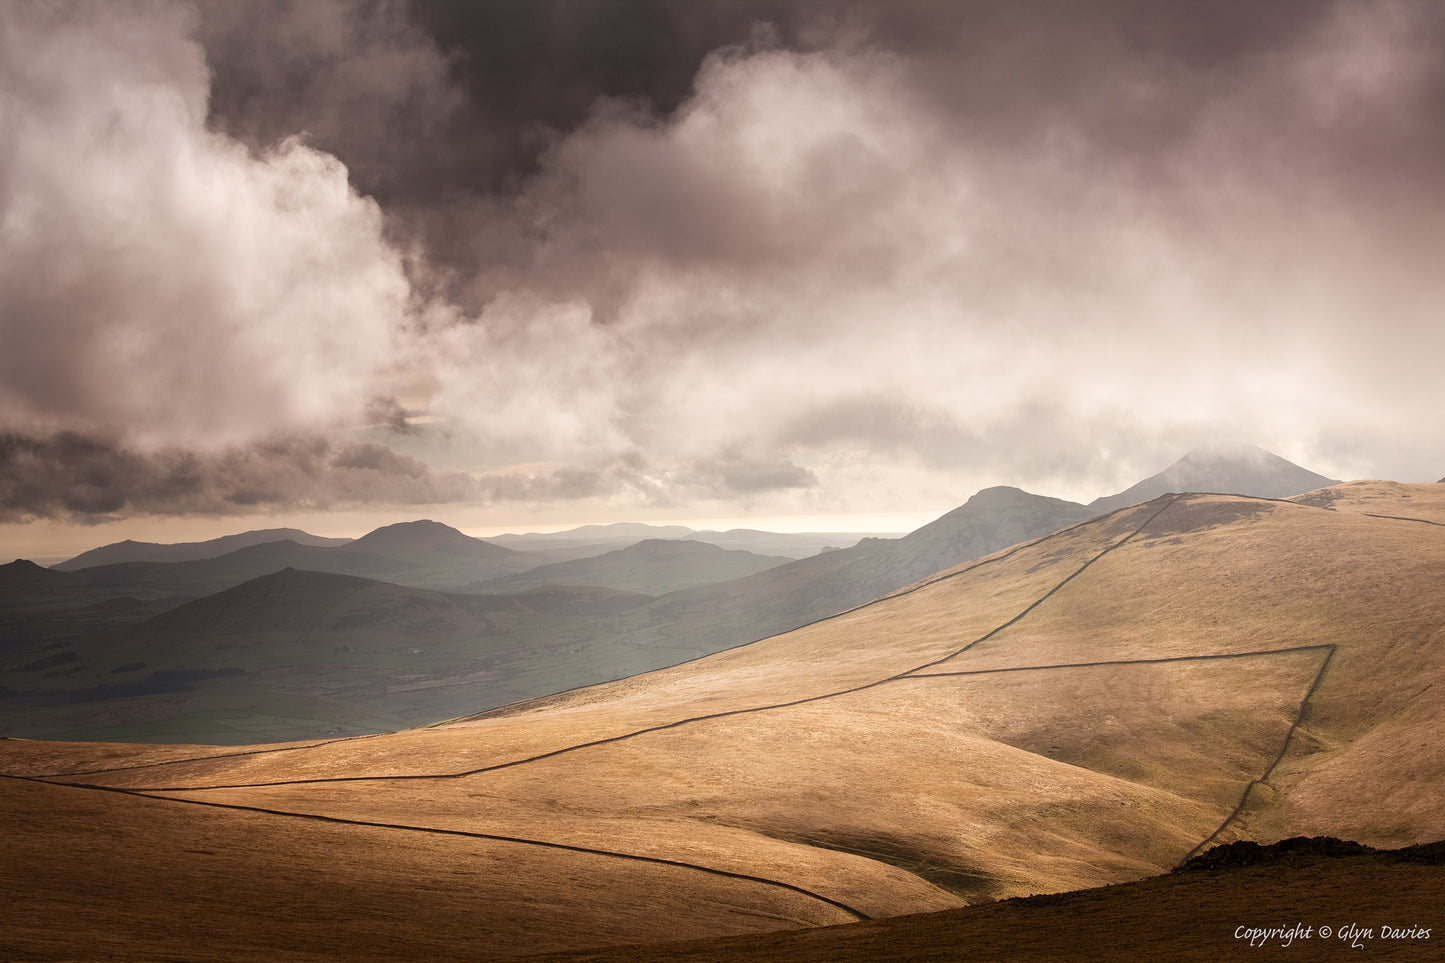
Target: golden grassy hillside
1087	709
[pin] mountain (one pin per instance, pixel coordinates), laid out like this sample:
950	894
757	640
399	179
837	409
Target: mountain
429	543
1229	470
653	566
992	519
794	594
1092	708
66	606
132	551
23	573
41	607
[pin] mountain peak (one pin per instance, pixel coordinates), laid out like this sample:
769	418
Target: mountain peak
1230	469
422	528
24	568
1228	452
424	540
1000	496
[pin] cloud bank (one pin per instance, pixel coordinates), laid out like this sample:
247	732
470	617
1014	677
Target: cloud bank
161	278
810	256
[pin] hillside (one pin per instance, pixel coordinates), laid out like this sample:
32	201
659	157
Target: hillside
295	654
1086	709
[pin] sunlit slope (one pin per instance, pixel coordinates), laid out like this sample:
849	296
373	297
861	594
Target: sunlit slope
1084	709
106	876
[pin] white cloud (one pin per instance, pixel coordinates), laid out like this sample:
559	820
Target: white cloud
157	277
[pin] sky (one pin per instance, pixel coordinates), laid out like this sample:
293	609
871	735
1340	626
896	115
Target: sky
794	264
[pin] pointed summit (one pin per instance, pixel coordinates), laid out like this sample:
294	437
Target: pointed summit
1224	469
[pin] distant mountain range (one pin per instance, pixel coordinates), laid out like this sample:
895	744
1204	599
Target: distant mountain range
592	540
627	607
652	566
131	551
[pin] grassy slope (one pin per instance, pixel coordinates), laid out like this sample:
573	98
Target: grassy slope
950	733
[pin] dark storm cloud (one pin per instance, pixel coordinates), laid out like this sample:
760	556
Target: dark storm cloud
70	476
707	251
1043	221
91	479
425	98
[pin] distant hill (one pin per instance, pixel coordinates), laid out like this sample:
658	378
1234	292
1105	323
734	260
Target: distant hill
66	605
1225	470
132	551
23	572
790	544
40	606
427	543
301	605
421	554
653	566
799	592
590	541
633	531
586	541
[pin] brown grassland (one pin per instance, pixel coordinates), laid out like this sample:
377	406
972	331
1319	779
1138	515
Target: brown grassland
1086	710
